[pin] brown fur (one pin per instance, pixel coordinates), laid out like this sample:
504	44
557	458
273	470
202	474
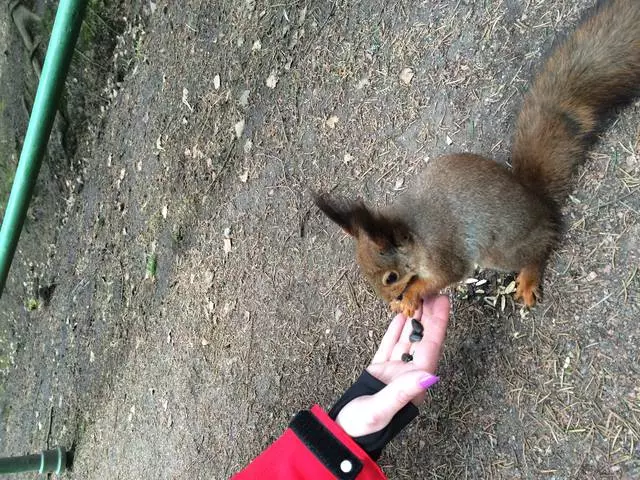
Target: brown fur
466	210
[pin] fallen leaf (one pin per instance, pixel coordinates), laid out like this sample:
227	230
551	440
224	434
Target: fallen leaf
243	100
272	80
406	75
244	176
185	99
363	83
239	128
331	121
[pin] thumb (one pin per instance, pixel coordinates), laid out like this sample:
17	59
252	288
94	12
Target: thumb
371	413
405	388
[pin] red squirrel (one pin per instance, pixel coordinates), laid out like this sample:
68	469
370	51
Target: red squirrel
465	210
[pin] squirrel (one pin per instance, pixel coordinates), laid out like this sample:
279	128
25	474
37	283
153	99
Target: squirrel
466	211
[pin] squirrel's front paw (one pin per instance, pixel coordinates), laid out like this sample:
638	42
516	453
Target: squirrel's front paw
408	308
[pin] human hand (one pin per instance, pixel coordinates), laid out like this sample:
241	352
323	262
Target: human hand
405	381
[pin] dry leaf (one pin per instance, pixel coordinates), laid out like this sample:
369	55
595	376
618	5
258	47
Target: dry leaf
331	121
227	245
239	128
363	83
406	75
185	96
272	80
243	100
244	176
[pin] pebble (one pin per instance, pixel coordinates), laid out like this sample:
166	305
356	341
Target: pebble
406	357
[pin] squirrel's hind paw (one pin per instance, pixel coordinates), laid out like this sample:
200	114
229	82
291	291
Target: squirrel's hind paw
528	289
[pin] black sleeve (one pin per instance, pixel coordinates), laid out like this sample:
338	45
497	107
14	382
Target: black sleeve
373	443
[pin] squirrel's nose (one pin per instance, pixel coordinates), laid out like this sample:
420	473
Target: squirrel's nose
399	297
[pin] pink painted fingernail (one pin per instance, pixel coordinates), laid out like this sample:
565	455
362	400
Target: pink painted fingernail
428	381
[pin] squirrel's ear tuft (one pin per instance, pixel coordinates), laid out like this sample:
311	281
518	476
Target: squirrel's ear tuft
356	219
340	211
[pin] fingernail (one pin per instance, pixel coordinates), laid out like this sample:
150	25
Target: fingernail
428	381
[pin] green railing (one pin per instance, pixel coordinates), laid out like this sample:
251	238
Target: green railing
54	72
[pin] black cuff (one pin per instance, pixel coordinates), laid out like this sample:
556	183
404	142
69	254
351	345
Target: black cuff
373	443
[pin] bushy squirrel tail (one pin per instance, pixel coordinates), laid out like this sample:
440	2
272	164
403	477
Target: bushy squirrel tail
594	70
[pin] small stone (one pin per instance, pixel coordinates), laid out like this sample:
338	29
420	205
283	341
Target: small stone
406	357
415	337
417	326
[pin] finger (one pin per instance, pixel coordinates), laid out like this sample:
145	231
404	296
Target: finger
389	339
387	402
403	345
435	317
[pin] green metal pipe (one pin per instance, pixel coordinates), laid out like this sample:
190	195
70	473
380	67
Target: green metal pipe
49	461
54	72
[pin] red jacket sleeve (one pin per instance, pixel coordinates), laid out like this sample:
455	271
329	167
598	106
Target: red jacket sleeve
314	447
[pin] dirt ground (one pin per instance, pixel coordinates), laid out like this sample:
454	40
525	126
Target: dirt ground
190	298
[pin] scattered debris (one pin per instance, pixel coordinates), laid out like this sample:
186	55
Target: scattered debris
152	264
406	75
243	100
216	82
227	246
331	121
239	128
185	99
272	80
244	176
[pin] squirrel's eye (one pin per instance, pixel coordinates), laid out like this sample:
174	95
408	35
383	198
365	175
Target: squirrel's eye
389	278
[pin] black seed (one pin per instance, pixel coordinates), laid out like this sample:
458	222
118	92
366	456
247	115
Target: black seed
415	337
406	357
417	326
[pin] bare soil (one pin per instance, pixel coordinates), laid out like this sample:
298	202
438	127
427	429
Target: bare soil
200	299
